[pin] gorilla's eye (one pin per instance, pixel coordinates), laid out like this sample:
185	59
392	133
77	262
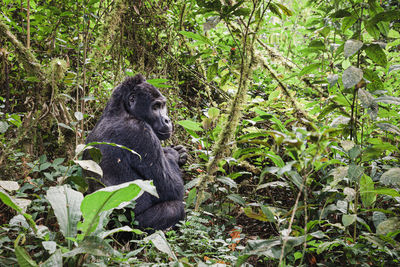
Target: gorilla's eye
132	98
156	106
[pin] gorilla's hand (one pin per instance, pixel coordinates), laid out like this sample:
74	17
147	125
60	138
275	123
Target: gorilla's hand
182	154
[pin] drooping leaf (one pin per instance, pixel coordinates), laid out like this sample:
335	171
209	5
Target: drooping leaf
237	199
268	213
197	37
109	198
388	226
376	54
341	14
348	219
347	22
351	76
93	245
23	258
366	184
66	204
332	79
393	68
309	69
191	125
90	165
368	102
160	242
388	100
285	10
391	177
351	47
389	128
355	172
260	216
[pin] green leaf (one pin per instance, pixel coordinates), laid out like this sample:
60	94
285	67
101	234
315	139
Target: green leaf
197	37
351	47
368	102
341	14
213	113
66	204
393	68
23	258
109	198
3	127
348	219
385	16
268	213
351	76
212	72
93	245
366	184
160	83
78	115
355	172
237	199
310	68
388	100
347	22
191	197
190	125
258	216
285	10
55	260
274	9
391	177
90	165
376	54
373	30
389	226
389	128
160	242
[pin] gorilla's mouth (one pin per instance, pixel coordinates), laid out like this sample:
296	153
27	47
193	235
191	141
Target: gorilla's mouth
164	135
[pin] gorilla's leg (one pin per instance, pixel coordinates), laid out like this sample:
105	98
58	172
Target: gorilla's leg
162	215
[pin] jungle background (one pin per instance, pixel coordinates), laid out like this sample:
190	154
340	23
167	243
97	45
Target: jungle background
290	111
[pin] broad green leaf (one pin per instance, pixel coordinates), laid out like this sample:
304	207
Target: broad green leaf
191	197
197	37
9	185
90	165
391	177
366	184
368	102
388	226
332	79
3	127
66	204
268	213
23	258
347	22
93	245
55	260
260	216
160	242
191	125
376	54
341	14
285	10
12	203
351	47
309	69
355	172
212	72
385	16
237	199
351	76
160	83
125	228
354	152
50	246
373	30
348	219
213	113
378	217
109	198
78	115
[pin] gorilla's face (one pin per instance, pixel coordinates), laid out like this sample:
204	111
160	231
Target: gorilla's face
148	104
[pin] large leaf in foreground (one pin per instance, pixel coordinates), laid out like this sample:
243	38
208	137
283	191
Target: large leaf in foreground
110	198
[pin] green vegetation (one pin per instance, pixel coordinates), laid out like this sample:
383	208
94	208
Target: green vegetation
290	110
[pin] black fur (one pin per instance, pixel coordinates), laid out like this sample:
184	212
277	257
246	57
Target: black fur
136	117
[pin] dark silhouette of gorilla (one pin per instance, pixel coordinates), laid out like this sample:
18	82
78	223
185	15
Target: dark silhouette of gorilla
136	117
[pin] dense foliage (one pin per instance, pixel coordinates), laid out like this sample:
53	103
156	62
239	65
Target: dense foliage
290	110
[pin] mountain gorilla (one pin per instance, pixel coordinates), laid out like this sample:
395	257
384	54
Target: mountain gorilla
136	117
